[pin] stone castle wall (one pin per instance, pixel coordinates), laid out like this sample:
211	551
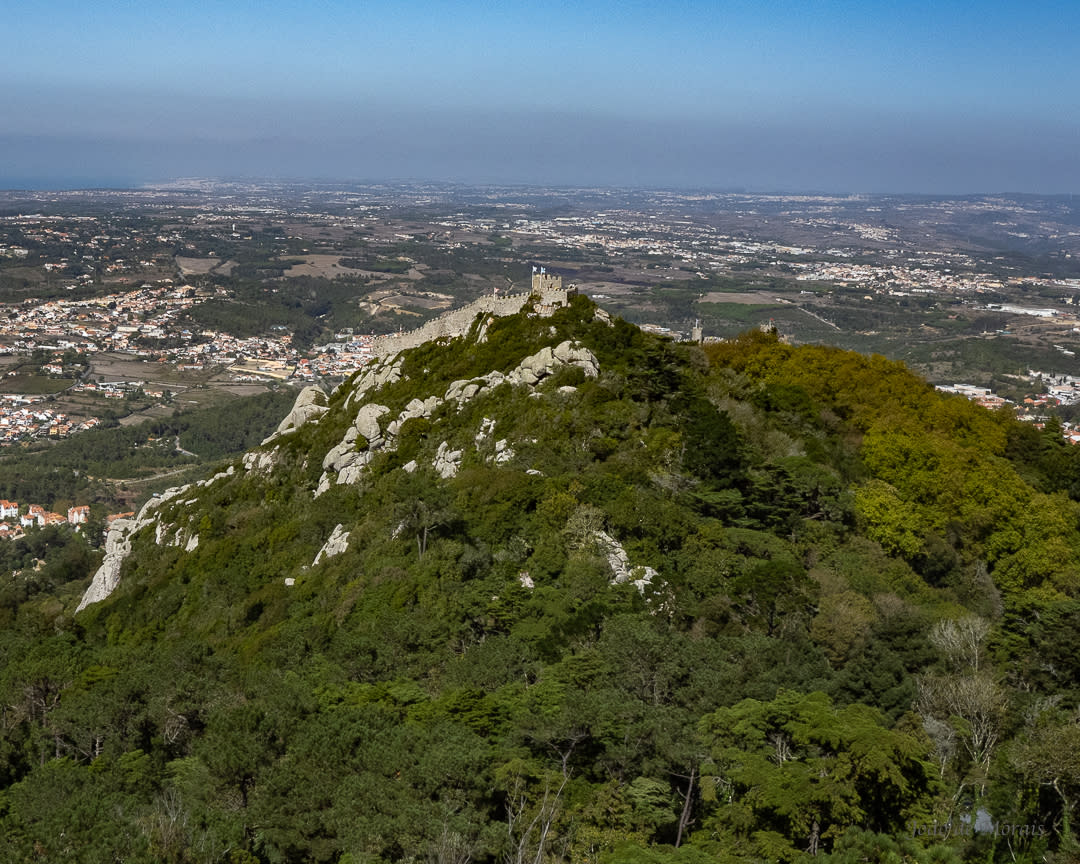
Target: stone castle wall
458	321
454	323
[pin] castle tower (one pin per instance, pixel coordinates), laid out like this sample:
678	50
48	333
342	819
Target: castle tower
549	289
695	333
544	283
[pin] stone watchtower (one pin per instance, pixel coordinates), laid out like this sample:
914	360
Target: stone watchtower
549	289
550	292
544	283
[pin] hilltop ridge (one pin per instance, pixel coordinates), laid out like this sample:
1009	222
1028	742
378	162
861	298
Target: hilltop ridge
364	437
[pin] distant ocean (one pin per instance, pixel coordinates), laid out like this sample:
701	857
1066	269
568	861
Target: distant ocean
60	184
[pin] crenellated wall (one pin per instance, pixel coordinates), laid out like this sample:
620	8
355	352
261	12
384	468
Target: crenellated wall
458	321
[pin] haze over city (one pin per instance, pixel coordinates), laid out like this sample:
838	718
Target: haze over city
842	96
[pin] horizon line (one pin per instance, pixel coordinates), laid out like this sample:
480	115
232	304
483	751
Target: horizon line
61	185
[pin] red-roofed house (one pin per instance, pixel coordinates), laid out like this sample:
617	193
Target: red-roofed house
35	515
78	515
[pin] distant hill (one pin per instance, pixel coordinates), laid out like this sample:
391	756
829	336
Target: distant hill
559	590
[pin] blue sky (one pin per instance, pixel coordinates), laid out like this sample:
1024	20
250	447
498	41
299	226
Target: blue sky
844	96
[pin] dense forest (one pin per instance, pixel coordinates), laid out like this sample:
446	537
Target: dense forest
843	628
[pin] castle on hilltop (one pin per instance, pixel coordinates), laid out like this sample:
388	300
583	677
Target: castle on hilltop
547	289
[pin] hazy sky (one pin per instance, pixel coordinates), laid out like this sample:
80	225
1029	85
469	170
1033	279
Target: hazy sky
841	96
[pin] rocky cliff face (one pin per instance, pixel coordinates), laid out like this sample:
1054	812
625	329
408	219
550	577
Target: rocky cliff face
166	533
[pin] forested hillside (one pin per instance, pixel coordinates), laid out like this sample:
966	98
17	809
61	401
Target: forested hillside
591	597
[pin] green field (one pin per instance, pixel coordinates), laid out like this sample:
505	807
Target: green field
744	314
35	385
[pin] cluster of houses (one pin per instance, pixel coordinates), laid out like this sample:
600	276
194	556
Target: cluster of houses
344	356
21	420
38	516
124	321
113	389
1059	390
110	323
983	396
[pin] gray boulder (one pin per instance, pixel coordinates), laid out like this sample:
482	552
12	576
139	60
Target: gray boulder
367	422
336	543
304	408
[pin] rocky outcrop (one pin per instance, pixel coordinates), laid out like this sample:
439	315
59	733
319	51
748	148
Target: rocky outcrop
259	461
415	410
577	355
619	562
344	462
221	475
337	543
367	423
121	531
487	427
376	375
447	461
118	547
356	448
343	453
309	403
107	577
530	371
